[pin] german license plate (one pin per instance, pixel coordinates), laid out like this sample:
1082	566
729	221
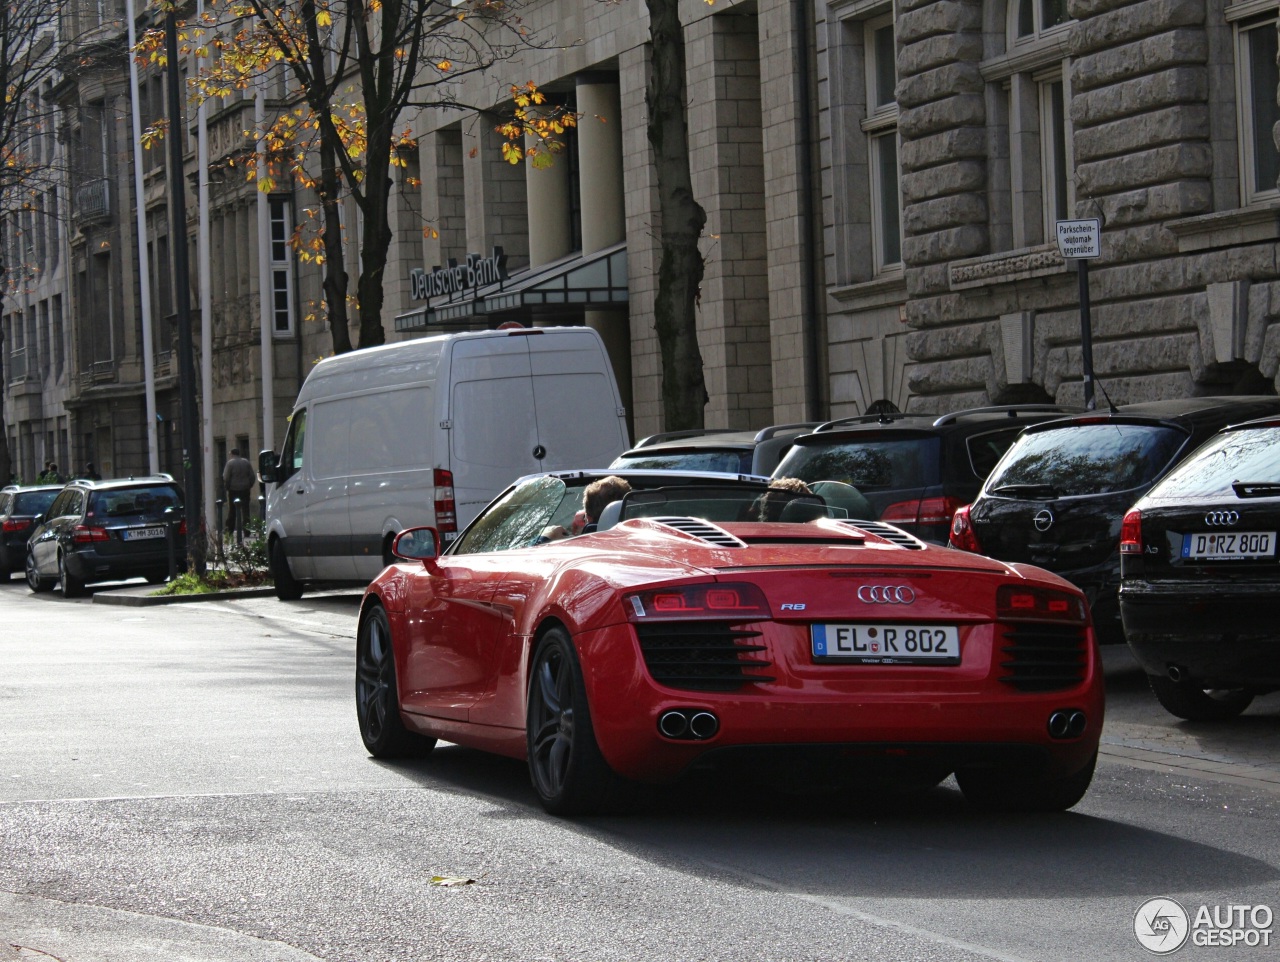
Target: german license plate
142	534
1229	545
887	644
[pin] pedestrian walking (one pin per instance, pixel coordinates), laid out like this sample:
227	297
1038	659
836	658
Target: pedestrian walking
238	477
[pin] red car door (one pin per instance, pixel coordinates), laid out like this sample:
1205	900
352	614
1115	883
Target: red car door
454	634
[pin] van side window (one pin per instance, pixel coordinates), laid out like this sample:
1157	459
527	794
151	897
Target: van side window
291	452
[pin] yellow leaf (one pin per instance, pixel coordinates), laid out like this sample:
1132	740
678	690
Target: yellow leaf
451	881
324	18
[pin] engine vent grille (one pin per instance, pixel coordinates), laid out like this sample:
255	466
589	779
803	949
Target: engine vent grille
702	529
887	531
702	655
1042	657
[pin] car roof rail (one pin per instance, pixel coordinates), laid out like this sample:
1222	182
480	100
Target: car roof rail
676	435
764	434
883	418
1012	410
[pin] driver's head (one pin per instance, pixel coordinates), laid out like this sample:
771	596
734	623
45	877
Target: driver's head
600	493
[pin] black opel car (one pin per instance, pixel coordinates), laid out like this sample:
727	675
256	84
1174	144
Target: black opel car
106	531
914	470
1200	582
1057	497
19	507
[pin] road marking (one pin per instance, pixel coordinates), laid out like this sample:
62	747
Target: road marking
840	908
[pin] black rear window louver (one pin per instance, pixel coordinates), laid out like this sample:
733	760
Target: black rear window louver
702	655
1041	657
887	531
702	530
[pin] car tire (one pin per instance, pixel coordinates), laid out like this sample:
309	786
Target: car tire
999	790
569	774
287	587
35	580
1188	700
72	587
377	695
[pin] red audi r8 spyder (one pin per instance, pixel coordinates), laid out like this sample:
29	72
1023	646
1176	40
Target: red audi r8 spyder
715	620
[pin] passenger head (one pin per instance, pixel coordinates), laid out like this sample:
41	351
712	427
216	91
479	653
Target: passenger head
768	506
600	493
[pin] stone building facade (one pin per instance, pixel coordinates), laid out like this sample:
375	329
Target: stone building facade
1157	117
882	184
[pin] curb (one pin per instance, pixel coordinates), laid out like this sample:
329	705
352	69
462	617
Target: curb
144	601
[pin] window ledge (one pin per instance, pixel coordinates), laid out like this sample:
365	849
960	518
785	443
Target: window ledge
1231	228
887	289
1006	267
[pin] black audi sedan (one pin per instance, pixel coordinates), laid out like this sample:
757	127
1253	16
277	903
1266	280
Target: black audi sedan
20	505
107	531
1057	497
1200	582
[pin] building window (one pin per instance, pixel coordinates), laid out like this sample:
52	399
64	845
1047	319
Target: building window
59	342
1257	80
281	267
1036	16
881	128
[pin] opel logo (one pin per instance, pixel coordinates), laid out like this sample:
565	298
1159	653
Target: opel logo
1043	519
1221	517
886	594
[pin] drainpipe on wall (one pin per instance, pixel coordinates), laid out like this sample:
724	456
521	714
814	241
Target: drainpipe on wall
810	295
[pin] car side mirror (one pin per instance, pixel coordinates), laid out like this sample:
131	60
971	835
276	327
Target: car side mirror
416	544
268	463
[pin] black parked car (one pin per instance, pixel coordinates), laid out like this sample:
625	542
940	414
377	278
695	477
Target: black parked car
1057	497
714	449
105	531
19	508
914	470
1200	588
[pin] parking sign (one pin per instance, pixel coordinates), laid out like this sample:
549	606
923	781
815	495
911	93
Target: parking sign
1080	239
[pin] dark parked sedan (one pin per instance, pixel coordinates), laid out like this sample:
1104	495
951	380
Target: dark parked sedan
106	531
1200	590
19	508
1057	497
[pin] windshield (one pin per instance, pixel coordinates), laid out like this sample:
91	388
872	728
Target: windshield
1085	459
1249	457
733	461
867	464
517	519
34	502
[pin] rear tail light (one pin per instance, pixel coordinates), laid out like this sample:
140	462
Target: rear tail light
724	602
182	527
1131	533
84	534
1025	603
962	534
446	508
922	511
903	511
16	524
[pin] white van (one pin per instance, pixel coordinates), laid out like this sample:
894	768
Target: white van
427	432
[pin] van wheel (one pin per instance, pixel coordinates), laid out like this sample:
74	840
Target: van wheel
287	587
387	557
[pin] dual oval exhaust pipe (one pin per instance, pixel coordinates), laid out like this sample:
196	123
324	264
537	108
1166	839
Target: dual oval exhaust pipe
688	723
1067	723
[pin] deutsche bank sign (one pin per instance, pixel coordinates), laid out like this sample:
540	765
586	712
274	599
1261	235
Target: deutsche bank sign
478	271
1080	239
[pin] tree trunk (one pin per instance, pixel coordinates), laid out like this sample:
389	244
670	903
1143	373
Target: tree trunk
375	241
335	269
684	392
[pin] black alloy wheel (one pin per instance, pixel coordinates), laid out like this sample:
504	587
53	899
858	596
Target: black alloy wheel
72	587
1187	699
36	581
377	696
1001	790
287	587
569	774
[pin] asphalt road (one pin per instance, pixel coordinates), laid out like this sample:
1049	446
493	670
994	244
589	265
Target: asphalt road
186	782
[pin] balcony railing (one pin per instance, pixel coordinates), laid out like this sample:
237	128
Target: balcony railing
93	201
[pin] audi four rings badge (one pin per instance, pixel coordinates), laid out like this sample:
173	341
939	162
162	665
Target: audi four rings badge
1222	517
886	594
1043	519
